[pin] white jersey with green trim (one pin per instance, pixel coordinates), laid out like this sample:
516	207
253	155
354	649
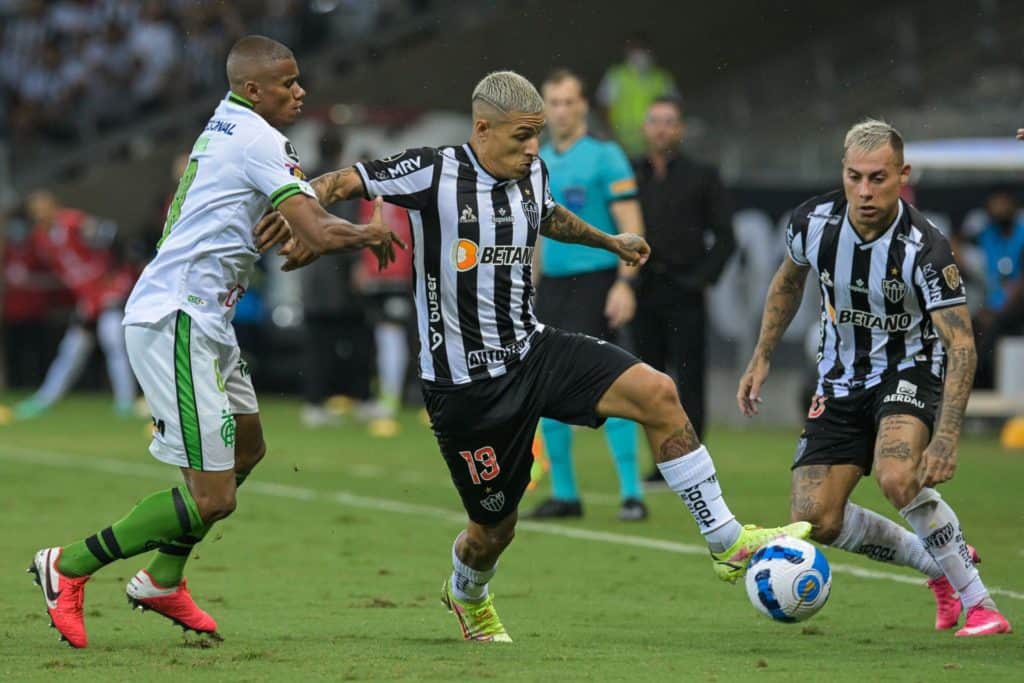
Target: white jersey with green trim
240	167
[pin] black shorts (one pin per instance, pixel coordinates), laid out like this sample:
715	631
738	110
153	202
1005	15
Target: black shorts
842	431
576	302
485	429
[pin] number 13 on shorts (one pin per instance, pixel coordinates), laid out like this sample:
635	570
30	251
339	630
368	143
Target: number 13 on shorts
488	461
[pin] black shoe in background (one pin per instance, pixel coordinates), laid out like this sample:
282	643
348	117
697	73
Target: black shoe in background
632	510
552	508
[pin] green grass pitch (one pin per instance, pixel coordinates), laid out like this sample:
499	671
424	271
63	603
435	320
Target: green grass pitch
332	565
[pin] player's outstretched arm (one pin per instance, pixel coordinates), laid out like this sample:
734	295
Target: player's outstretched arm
565	226
954	327
784	297
316	232
338	186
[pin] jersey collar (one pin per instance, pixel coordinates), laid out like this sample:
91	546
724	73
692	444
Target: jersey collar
861	242
240	101
480	170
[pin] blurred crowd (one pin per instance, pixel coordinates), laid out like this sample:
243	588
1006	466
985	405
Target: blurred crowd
116	58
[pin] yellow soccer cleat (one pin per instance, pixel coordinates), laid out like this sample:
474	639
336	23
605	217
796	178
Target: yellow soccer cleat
732	564
478	621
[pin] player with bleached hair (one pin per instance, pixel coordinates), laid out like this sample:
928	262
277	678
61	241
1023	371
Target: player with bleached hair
896	362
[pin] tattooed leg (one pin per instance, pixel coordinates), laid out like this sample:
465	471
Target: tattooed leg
819	494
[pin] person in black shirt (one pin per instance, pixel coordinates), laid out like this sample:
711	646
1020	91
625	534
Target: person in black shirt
689	228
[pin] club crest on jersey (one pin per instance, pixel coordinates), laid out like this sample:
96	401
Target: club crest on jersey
952	276
894	290
532	213
494	502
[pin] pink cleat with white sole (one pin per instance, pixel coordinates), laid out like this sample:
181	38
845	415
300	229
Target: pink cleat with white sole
947	603
984	620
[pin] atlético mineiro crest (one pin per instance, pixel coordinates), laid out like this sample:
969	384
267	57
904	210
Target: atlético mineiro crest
493	502
894	290
532	213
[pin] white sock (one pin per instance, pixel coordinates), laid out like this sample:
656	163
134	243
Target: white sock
937	526
870	534
468	584
111	336
392	359
65	369
693	477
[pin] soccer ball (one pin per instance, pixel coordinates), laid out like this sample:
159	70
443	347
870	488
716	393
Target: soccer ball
788	580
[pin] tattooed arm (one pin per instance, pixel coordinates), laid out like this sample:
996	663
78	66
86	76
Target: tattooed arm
565	226
954	327
783	301
338	186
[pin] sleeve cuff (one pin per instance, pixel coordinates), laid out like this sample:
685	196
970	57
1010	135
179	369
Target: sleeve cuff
363	177
284	192
946	303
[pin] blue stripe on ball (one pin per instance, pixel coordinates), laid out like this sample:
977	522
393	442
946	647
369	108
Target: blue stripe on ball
767	596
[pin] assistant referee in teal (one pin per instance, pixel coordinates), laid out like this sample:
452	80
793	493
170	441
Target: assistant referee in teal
582	289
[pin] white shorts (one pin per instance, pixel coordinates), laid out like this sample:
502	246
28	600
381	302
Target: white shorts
194	386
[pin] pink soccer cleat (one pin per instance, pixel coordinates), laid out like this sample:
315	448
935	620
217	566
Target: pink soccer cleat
64	596
984	620
174	603
947	603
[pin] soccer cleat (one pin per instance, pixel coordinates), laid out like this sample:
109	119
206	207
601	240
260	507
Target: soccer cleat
29	409
552	508
64	596
632	510
478	621
947	603
732	564
174	603
984	620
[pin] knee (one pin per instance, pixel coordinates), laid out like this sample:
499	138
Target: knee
899	487
213	507
826	525
662	398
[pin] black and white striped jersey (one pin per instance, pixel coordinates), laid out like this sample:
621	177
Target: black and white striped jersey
473	240
877	296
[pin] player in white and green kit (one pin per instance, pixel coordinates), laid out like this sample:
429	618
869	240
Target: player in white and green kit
181	343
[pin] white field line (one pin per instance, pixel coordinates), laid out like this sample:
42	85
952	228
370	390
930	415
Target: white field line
348	499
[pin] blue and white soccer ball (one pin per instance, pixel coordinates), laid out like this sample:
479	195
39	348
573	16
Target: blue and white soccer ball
788	580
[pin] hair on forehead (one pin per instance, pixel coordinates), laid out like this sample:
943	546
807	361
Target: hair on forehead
505	92
870	134
250	56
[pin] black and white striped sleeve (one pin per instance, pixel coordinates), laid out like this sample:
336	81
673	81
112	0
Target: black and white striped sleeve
796	239
937	276
404	179
548	201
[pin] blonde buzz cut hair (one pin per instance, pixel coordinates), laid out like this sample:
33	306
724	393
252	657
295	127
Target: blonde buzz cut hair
508	92
870	134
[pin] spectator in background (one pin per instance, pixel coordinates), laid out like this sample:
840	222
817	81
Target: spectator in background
30	291
80	251
1001	241
689	227
627	90
337	338
389	306
154	43
583	289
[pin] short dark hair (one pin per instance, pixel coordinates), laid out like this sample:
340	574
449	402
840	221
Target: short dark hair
562	74
671	100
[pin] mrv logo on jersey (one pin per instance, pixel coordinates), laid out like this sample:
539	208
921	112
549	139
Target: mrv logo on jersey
896	322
